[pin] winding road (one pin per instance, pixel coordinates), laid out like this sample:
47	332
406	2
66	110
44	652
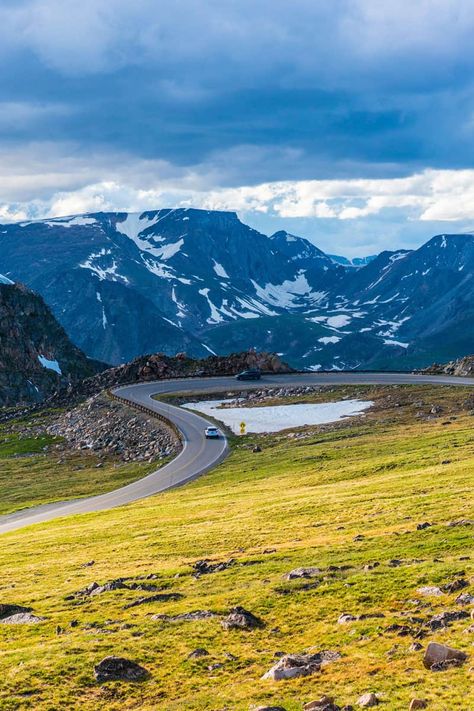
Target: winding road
198	455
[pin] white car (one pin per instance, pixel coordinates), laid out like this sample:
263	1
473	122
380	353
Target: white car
211	433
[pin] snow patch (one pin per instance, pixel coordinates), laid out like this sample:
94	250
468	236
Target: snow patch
390	342
339	321
219	270
329	339
50	364
280	417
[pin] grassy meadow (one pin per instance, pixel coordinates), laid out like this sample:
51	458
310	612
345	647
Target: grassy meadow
341	498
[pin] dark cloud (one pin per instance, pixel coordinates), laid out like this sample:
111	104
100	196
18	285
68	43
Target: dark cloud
239	92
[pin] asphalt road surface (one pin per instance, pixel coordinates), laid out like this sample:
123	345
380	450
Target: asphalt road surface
198	454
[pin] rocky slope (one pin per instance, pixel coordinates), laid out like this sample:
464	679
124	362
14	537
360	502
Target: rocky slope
159	366
105	427
167	280
462	367
36	356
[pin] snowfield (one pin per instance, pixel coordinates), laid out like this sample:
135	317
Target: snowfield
279	417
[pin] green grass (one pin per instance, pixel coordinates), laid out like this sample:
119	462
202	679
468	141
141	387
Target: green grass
33	471
306	499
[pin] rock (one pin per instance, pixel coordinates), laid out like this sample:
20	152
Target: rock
444	619
418	704
256	449
371	566
368	700
22	618
194	616
359	537
216	665
394	563
455	585
198	653
159	597
422	526
344	619
302	573
240	618
291	666
204	567
7	609
119	669
430	590
325	703
439	656
461	522
270	708
465	599
415	647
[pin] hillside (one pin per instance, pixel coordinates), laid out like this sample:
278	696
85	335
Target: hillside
358	506
36	356
125	284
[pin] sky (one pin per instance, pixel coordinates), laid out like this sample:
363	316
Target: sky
349	122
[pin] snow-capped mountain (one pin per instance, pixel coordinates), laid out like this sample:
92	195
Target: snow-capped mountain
125	284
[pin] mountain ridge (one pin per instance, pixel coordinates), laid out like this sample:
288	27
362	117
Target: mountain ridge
123	284
36	356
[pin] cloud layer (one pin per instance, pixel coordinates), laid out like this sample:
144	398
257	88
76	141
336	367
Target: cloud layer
334	112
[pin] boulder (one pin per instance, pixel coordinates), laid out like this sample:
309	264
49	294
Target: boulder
8	609
439	656
455	585
344	619
418	704
119	669
429	591
444	619
242	619
465	599
368	700
291	666
22	618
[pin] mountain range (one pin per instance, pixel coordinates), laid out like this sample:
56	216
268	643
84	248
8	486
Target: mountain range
124	284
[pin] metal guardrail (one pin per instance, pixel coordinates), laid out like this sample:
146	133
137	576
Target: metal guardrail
147	411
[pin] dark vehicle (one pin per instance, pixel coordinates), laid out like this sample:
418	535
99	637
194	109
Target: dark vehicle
250	374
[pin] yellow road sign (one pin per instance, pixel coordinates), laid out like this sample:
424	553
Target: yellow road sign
242	428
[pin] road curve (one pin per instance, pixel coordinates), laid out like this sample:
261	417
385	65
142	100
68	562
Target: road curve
198	455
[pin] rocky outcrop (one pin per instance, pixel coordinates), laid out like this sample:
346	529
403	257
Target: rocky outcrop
462	367
241	619
291	666
36	356
103	426
119	669
160	366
